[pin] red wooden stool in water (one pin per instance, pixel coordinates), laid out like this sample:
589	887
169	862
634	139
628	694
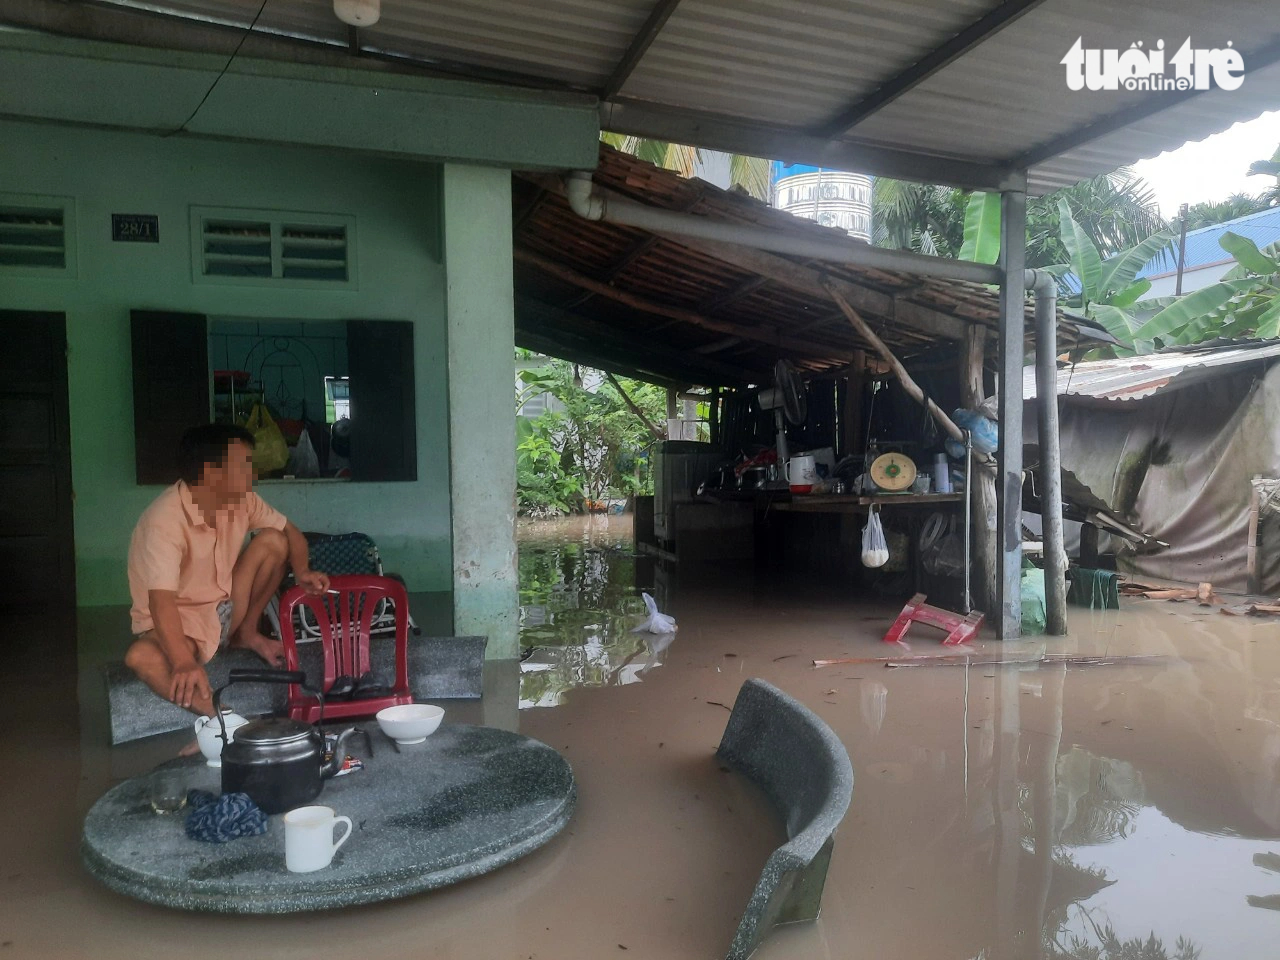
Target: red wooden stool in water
959	629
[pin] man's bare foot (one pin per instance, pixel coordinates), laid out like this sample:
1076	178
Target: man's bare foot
190	750
270	650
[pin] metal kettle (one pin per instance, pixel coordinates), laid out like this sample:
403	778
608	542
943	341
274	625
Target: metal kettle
277	761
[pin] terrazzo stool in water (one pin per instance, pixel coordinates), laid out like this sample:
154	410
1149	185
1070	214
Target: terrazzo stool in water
467	801
440	668
802	767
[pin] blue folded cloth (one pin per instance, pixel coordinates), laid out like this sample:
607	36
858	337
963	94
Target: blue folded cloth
219	819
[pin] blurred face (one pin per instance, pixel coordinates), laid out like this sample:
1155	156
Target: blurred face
233	479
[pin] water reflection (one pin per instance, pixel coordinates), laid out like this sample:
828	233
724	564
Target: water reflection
1104	873
579	600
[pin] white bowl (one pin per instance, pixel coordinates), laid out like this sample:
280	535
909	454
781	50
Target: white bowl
410	722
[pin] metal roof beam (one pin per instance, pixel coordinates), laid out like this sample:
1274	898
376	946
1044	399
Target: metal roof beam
732	135
924	68
639	45
1151	105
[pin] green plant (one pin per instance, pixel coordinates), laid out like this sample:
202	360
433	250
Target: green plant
1269	168
1245	303
595	448
748	173
1116	211
1211	213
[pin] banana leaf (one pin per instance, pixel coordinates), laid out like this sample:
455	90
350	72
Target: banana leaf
1247	254
1194	305
1130	294
982	228
1117	322
1121	270
1268	323
1084	255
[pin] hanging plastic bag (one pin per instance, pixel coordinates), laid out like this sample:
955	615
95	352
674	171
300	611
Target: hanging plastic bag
656	622
303	461
270	452
875	551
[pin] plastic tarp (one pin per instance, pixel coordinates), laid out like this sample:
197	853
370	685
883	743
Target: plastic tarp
1178	465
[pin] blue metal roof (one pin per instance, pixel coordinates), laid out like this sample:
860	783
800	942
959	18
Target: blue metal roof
1203	249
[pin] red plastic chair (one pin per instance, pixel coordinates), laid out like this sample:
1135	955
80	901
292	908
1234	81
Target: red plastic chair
345	615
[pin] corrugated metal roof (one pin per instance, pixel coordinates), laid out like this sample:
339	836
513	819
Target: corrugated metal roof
1134	378
1203	248
771	65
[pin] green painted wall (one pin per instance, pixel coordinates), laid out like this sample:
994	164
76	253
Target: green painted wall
480	306
400	277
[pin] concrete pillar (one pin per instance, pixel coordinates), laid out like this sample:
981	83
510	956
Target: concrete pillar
480	310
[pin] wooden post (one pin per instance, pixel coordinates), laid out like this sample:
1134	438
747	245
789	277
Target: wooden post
713	415
1088	545
852	415
985	568
1251	562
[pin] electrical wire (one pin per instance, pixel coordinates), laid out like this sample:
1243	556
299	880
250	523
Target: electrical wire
223	72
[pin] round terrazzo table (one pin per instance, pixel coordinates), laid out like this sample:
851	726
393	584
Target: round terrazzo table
467	801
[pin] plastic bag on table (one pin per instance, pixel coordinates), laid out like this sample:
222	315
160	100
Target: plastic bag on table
303	461
270	452
656	622
875	551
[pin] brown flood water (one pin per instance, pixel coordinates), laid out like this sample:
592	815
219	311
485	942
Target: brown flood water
998	811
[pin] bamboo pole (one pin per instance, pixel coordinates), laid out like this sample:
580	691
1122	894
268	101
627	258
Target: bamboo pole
899	371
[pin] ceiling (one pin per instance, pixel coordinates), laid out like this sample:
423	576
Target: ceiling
969	92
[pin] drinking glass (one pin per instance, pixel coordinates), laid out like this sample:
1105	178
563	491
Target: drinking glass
168	790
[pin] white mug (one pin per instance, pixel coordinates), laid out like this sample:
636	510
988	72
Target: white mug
308	838
802	471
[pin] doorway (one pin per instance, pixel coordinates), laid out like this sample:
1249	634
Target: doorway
37	546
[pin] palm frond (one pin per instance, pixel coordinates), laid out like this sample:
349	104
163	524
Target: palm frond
751	174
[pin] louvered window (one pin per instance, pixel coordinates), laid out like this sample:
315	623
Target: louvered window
33	236
313	251
237	246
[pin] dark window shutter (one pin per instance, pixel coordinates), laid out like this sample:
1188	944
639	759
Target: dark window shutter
170	388
384	438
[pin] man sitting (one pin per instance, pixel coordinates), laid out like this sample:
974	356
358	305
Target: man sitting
195	590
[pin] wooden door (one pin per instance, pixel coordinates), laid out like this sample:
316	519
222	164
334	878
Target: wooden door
37	547
170	388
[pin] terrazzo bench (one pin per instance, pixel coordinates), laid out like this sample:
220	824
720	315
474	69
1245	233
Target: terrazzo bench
802	767
440	668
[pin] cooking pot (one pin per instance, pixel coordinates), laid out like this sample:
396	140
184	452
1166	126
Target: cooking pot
277	761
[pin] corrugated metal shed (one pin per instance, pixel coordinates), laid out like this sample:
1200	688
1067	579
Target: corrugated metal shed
1203	248
776	77
1134	378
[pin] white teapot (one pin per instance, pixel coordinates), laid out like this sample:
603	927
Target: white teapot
208	735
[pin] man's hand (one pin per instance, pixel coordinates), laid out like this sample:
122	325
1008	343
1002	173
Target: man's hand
313	581
189	682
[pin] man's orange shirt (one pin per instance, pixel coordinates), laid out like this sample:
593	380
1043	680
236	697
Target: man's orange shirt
174	548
